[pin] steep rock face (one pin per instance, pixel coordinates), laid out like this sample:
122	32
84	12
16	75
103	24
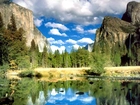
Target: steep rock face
132	13
113	30
24	19
121	38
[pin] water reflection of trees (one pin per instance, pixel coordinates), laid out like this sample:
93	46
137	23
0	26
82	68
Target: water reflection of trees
116	93
4	87
105	91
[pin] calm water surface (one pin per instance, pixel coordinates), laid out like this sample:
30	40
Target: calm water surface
73	92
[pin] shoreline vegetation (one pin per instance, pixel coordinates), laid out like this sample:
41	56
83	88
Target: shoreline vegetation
119	72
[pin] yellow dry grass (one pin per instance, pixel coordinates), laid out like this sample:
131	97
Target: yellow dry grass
58	72
123	70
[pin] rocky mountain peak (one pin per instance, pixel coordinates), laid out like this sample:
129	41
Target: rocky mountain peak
113	24
132	13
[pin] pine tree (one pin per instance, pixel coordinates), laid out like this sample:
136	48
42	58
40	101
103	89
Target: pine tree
44	57
21	50
1	40
50	60
33	54
57	59
1	21
73	58
12	25
66	59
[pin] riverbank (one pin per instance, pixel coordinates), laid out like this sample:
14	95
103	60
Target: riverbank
47	73
123	71
62	71
69	73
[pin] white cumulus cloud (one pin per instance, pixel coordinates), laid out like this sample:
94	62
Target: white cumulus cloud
71	41
76	46
56	32
53	41
38	22
54	48
78	11
85	40
92	31
57	25
79	29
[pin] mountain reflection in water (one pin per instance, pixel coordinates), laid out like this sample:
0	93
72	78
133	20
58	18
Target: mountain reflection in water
72	92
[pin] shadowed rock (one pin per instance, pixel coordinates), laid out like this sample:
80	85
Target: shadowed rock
79	93
132	13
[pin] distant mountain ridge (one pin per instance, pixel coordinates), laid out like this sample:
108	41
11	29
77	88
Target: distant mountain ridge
89	47
24	19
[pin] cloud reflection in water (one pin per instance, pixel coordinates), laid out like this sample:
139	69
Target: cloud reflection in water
69	97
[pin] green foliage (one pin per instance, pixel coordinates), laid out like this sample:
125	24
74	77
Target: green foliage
4	68
13	46
73	58
117	59
44	57
12	25
1	21
66	59
57	59
4	87
23	90
98	63
116	54
50	59
82	57
2	44
33	54
23	62
100	57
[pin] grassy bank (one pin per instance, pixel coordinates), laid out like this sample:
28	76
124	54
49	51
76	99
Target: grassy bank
59	72
49	72
124	71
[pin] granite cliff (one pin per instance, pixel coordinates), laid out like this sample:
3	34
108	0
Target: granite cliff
89	47
121	37
24	19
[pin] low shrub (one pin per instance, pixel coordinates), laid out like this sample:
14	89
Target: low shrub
30	73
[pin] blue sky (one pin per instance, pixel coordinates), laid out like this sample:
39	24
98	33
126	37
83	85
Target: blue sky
72	23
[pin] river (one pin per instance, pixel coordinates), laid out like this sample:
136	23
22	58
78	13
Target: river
87	91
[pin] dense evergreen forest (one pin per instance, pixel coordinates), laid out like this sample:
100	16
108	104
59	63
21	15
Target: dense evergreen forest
14	54
13	51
